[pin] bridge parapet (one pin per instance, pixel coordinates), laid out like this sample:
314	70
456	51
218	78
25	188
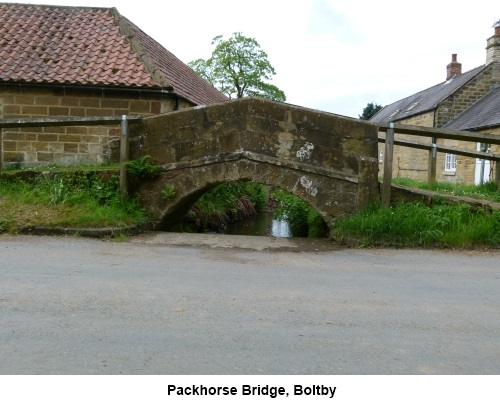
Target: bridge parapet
295	148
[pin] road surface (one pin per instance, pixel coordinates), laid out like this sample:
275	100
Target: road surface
244	305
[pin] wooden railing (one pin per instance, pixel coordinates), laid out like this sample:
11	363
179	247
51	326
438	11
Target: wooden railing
434	133
390	128
123	120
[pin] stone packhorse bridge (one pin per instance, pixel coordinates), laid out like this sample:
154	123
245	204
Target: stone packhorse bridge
327	160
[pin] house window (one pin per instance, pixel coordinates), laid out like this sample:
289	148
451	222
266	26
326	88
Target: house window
450	164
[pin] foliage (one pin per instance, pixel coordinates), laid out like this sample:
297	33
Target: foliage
142	167
80	199
238	67
369	111
168	191
489	191
303	219
225	203
415	224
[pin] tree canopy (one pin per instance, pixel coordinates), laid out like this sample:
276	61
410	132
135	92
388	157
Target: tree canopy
369	111
238	67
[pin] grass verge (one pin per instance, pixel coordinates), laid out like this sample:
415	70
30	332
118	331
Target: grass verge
488	191
414	225
76	200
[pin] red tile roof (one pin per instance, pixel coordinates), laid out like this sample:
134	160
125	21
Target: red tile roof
90	46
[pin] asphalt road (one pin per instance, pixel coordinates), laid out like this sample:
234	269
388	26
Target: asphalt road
233	305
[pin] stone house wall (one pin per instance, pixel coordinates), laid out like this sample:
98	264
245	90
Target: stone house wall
30	147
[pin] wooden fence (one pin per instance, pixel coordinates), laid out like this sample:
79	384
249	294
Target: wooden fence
123	120
434	133
390	128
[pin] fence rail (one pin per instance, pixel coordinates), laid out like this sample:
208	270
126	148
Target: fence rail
123	120
434	133
390	128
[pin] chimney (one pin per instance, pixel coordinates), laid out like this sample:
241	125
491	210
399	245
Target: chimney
454	68
493	45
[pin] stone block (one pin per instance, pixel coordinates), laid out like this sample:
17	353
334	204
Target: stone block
48	100
140	107
115	103
59	111
13	157
24	99
11	110
45	157
56	147
10	146
70	138
77	112
90	102
13	136
77	130
99	112
89	139
48	137
71	147
54	130
34	110
25	146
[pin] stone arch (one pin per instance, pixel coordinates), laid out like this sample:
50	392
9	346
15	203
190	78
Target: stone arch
327	160
331	197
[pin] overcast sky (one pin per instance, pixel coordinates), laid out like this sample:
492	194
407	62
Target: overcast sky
334	56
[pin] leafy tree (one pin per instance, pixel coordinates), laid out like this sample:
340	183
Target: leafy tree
238	67
369	111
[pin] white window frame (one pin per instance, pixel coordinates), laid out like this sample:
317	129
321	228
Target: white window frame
450	163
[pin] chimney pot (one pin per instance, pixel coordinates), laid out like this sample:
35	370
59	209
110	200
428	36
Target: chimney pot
454	68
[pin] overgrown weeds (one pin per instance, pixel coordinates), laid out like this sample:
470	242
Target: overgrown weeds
143	167
224	204
79	200
411	225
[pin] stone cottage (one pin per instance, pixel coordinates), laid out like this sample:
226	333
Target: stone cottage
464	101
78	61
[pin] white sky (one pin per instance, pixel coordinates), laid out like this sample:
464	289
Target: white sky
334	56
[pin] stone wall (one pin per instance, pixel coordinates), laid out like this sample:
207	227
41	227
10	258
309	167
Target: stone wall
409	162
465	96
413	163
30	147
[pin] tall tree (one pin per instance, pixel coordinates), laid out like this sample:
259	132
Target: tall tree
369	111
238	67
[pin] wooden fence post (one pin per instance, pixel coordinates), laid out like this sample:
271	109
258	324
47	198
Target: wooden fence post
497	172
388	159
1	148
431	173
124	155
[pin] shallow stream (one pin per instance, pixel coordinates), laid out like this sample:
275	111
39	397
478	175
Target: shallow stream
261	225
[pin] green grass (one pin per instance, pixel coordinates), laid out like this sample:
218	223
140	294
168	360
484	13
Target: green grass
412	225
488	191
76	200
